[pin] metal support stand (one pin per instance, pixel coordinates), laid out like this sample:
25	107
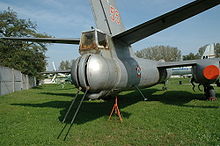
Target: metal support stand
164	88
70	107
145	99
192	82
209	92
74	117
116	110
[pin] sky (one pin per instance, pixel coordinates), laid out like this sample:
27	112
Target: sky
68	18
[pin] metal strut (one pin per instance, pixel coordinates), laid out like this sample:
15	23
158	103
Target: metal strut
70	107
145	99
192	82
74	117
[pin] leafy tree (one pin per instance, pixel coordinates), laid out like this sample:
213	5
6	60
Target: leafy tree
217	50
191	56
65	65
166	53
28	57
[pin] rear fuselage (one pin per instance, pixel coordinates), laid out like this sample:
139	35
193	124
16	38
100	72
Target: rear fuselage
110	67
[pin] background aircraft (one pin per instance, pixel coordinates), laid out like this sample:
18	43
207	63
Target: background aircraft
208	54
56	77
107	64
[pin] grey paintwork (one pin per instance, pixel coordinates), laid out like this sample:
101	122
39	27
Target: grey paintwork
197	71
109	71
107	16
107	64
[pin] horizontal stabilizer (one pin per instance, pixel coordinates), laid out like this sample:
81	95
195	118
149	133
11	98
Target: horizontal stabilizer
162	22
55	72
45	40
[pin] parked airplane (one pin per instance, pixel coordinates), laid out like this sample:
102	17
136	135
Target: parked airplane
108	65
57	76
208	53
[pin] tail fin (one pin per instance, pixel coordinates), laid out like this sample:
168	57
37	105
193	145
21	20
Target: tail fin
107	16
209	52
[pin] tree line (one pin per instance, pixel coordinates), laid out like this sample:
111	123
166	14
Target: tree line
165	53
28	57
65	65
168	53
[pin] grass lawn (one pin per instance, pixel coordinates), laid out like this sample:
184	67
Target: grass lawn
172	117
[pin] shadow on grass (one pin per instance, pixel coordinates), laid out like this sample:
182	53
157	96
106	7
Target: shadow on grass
58	94
37	87
179	98
51	104
91	110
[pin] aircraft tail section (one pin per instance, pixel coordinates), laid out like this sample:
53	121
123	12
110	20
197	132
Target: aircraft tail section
209	52
107	16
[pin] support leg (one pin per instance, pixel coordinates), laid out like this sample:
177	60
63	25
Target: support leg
209	92
145	99
70	107
164	88
74	117
116	110
76	112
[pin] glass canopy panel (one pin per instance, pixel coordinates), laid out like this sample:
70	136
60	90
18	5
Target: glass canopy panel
93	40
88	41
101	39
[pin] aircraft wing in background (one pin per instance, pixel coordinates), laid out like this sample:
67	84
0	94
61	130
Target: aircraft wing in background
177	64
186	66
55	72
203	71
186	63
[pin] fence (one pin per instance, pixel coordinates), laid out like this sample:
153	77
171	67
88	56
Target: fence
12	80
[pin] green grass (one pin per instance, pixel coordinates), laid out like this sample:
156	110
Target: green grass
173	117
